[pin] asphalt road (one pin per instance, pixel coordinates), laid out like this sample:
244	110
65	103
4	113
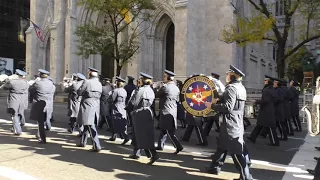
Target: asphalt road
22	157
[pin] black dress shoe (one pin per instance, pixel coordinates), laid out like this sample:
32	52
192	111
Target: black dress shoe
317	148
125	141
312	172
317	158
212	170
112	139
153	159
80	145
21	124
41	142
159	149
178	150
133	156
250	139
95	150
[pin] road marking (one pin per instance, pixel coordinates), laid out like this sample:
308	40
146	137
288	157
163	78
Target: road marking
14	175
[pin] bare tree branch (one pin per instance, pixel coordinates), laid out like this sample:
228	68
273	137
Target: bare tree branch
300	45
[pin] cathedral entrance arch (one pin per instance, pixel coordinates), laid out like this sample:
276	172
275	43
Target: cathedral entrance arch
163	46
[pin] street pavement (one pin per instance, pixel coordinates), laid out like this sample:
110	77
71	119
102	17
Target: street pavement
23	158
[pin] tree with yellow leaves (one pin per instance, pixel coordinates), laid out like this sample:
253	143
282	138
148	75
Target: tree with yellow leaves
121	16
264	26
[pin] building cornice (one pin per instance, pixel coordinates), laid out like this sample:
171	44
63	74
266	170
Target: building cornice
181	3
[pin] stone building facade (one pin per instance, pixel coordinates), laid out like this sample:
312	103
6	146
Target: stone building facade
183	37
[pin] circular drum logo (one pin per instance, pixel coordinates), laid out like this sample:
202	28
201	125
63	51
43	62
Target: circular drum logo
198	90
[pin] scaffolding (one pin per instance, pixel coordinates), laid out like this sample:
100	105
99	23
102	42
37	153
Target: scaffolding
308	91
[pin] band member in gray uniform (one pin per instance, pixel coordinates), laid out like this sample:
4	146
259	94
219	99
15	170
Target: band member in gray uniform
168	97
295	105
89	114
74	101
105	103
119	113
279	110
143	125
231	128
26	104
16	105
47	124
41	95
266	118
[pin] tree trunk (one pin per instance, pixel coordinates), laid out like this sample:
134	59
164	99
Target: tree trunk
281	62
118	69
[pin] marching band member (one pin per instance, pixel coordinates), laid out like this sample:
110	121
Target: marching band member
279	110
119	119
41	94
18	89
295	104
214	119
89	114
231	128
168	97
143	125
74	100
105	103
266	118
50	107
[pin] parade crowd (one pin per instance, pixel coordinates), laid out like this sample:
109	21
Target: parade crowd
128	110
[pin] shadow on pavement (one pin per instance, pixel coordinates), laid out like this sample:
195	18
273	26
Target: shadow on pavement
115	157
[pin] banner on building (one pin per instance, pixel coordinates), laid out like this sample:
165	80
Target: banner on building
6	66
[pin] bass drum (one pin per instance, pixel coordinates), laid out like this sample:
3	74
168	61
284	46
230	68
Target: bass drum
196	91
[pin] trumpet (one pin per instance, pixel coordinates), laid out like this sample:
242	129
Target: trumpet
66	82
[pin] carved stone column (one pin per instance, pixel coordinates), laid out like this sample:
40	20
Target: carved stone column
57	50
71	59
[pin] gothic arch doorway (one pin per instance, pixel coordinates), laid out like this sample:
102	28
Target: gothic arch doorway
169	63
163	46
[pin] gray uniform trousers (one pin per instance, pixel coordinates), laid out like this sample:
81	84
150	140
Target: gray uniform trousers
90	129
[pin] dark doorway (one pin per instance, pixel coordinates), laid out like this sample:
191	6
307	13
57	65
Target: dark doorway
170	48
107	64
47	62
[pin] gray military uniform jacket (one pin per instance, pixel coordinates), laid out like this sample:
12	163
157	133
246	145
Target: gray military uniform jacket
105	100
18	96
90	91
41	93
119	96
73	98
231	108
168	97
143	124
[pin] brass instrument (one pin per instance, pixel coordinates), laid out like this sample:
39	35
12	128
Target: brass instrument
66	82
313	114
5	78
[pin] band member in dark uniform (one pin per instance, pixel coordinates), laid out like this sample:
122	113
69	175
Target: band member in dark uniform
287	107
105	104
213	119
279	110
74	100
89	114
266	117
41	95
129	87
195	123
143	125
231	128
168	97
119	113
181	112
295	105
16	99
